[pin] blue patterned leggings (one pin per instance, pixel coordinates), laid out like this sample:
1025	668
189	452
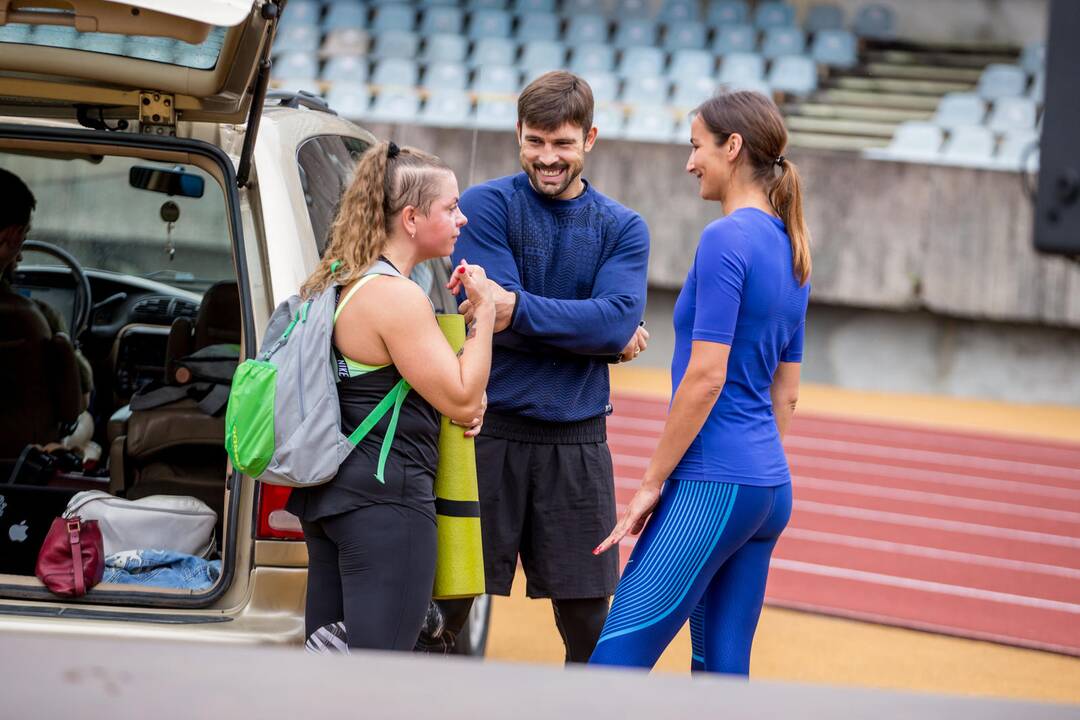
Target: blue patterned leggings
704	556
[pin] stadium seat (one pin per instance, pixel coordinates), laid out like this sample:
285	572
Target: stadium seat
836	48
824	17
727	12
781	41
1012	113
445	48
540	56
304	12
741	68
774	14
522	7
446	76
642	61
646	90
1000	80
795	74
493	51
687	63
442	19
297	38
475	5
684	36
1018	151
393	18
969	145
631	8
497	79
609	121
875	21
691	92
959	109
496	114
635	32
913	140
447	108
435	3
584	7
1038	88
296	66
345	41
348	100
735	39
489	24
1033	58
605	86
586	29
346	68
678	11
342	16
650	123
593	57
396	72
682	130
395	105
396	44
538	26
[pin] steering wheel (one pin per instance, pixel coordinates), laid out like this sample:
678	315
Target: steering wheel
83	297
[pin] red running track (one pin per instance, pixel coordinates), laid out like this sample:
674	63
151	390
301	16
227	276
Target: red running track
952	532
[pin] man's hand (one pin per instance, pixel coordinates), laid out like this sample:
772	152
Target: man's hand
637	344
504	307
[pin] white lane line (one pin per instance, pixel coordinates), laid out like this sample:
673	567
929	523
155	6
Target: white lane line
949	501
930	553
923	585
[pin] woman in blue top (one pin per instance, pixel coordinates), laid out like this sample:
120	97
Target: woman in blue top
735	373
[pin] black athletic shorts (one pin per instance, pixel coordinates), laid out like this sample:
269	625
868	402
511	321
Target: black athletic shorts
547	492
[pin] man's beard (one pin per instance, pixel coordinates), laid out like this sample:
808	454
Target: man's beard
533	172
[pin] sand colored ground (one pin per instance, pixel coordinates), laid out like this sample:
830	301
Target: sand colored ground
803	647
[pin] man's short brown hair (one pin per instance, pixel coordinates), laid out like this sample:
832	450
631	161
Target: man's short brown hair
554	99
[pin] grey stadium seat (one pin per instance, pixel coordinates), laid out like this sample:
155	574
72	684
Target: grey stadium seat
674	11
825	16
875	21
497	79
396	72
635	32
489	23
727	12
1012	113
396	44
774	14
642	90
796	74
586	29
642	61
540	56
447	108
395	105
445	48
958	109
534	6
735	39
1018	151
493	51
691	92
349	100
631	8
442	19
836	48
652	123
297	38
969	145
496	114
592	57
742	67
913	140
783	41
393	18
342	15
296	66
1001	80
684	36
345	41
691	62
609	120
538	26
346	68
1033	58
605	86
446	76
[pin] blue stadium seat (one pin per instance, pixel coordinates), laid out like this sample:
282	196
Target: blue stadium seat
304	12
969	145
396	44
593	57
824	16
739	68
795	74
1018	151
608	120
1033	58
490	23
342	15
605	86
346	68
442	19
1038	88
643	90
635	32
727	12
1000	80
345	41
642	61
684	36
781	41
435	3
584	7
540	56
495	114
445	48
538	26
486	4
497	79
447	108
446	76
493	51
674	11
686	63
297	38
586	29
522	7
836	48
650	123
1012	114
349	101
774	14
396	72
296	66
735	39
393	18
958	109
875	21
691	92
633	8
912	140
395	105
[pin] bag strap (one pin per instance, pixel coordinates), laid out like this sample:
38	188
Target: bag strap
352	291
75	541
393	399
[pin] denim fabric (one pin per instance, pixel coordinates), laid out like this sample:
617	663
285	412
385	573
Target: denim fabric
161	568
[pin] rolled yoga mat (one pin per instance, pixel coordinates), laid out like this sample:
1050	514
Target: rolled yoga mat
459	567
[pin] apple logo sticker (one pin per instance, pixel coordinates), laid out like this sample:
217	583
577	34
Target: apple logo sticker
17	533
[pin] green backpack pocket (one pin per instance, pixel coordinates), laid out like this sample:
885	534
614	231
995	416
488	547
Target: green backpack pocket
249	418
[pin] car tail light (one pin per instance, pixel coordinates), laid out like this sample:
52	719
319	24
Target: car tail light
275	522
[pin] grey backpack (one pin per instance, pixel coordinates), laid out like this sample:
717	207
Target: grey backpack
283	421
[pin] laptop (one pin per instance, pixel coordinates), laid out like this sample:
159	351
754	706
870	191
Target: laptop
26	513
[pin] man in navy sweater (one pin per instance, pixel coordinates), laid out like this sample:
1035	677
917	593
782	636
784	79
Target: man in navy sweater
570	265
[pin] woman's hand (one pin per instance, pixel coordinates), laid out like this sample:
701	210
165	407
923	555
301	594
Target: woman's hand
474	428
633	520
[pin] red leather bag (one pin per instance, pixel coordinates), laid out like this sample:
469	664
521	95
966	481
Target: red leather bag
72	558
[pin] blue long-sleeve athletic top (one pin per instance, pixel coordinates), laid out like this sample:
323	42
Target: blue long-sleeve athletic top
741	291
578	268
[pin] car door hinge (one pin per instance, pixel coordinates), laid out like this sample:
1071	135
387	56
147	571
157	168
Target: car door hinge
157	113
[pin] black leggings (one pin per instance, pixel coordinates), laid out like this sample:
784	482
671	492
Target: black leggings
372	568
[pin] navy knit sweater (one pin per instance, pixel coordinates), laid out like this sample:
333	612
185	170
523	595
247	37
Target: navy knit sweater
578	268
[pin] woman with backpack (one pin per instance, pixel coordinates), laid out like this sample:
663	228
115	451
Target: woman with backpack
370	532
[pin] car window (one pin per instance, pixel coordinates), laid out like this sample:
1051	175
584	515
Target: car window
326	167
201	56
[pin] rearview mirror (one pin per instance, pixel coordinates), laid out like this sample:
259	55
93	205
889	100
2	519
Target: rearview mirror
163	180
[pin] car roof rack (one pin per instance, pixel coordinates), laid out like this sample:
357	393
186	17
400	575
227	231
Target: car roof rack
294	99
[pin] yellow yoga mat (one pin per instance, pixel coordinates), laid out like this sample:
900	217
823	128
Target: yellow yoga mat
459	567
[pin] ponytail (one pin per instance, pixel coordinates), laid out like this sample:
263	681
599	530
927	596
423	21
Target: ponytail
786	198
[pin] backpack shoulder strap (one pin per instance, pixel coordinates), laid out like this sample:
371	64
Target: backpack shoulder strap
381	267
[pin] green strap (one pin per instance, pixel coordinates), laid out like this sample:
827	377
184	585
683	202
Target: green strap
395	398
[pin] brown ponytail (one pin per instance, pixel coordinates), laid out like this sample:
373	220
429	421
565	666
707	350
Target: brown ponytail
387	179
757	119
